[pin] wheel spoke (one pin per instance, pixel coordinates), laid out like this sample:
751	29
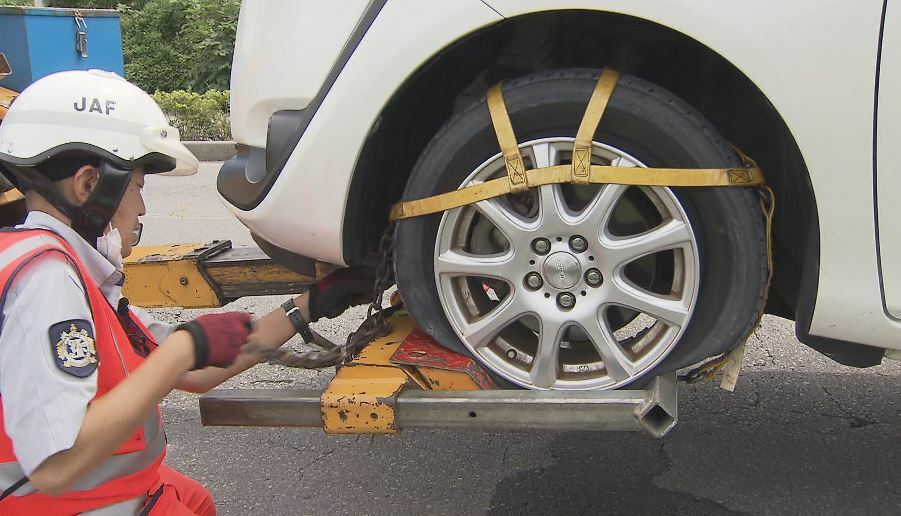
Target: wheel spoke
617	363
671	311
552	205
622	161
619	251
511	225
544	155
458	263
544	365
480	332
598	212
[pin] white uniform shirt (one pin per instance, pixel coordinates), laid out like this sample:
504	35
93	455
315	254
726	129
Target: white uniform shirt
43	406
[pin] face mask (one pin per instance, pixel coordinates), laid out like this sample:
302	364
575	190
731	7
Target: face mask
110	246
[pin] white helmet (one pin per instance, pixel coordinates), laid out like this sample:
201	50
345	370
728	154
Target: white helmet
97	112
94	113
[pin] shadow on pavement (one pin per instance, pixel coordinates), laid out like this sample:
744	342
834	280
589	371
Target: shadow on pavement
785	442
809	443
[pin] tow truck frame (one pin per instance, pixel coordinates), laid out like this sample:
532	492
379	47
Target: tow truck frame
401	381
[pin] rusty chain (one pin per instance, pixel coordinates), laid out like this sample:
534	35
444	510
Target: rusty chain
375	325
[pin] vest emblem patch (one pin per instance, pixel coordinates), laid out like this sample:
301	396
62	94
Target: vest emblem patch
74	350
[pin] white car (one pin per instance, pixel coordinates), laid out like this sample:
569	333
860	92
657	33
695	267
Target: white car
341	109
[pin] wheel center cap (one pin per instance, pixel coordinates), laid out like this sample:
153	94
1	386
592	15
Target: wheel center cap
562	270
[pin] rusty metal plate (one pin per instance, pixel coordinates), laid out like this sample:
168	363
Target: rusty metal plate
169	275
363	400
439	367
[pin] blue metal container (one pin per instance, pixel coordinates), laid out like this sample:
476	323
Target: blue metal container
41	41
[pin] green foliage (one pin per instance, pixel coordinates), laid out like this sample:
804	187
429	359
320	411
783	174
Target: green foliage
80	4
197	116
171	44
180	44
95	4
210	35
155	58
177	46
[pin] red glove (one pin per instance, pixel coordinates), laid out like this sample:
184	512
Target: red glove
340	290
218	337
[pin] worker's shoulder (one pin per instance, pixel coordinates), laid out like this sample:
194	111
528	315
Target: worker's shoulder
50	271
22	241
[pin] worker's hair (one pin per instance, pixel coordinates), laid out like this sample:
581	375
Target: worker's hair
63	165
66	164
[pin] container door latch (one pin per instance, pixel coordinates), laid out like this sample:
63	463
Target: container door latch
81	35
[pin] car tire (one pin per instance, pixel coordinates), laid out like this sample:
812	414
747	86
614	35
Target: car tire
657	129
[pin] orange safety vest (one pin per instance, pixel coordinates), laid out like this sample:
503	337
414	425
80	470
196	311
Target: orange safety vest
132	471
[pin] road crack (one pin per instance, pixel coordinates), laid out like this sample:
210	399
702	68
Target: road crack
854	421
320	457
768	354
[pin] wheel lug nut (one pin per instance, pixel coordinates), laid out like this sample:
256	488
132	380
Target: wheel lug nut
534	281
578	244
541	245
593	277
566	300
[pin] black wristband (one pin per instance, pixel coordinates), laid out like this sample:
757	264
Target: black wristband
201	345
301	326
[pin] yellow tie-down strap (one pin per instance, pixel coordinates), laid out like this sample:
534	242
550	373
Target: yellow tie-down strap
581	171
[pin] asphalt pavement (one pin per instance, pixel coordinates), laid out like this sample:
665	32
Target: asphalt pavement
800	434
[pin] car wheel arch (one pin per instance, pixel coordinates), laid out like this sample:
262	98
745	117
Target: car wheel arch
427	99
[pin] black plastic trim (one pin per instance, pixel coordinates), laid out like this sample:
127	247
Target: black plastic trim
233	183
283	135
844	352
247	194
292	261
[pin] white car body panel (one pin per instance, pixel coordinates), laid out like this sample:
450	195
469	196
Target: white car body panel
806	56
316	179
264	76
888	164
833	129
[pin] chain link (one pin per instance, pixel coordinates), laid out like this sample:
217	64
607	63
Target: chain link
375	325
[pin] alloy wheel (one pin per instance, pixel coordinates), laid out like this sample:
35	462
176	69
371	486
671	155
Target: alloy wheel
568	286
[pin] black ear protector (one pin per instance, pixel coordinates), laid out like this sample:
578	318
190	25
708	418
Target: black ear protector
90	219
100	207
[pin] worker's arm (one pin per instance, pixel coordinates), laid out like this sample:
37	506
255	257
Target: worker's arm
112	418
269	332
330	297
